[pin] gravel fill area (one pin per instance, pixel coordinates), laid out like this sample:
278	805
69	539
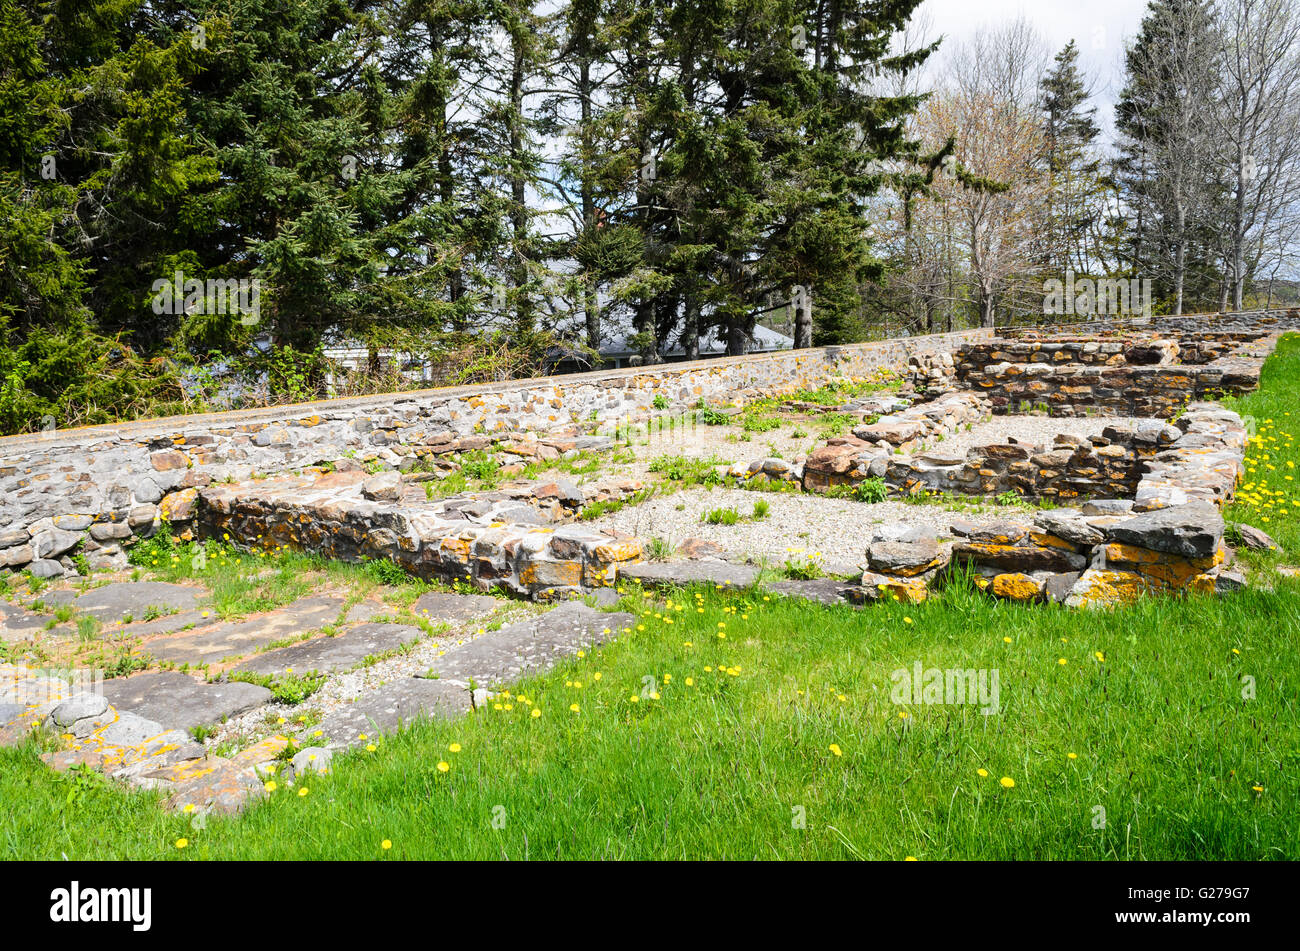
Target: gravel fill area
838	528
1038	430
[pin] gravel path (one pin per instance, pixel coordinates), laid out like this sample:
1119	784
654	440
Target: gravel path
837	528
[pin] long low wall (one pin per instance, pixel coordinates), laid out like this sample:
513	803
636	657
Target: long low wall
116	481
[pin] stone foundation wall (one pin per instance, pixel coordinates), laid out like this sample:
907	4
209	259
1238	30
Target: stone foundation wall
1256	321
1122	388
1108	551
1199	457
522	540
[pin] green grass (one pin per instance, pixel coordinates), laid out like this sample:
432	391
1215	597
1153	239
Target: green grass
1268	497
1165	743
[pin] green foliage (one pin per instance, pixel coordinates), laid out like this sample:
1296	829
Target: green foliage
481	466
659	549
380	174
290	689
760	423
725	516
689	470
386	572
873	490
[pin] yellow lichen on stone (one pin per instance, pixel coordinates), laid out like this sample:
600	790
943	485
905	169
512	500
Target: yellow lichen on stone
617	552
1100	587
1043	540
1015	586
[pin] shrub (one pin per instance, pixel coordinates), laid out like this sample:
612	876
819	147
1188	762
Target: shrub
871	490
761	508
383	571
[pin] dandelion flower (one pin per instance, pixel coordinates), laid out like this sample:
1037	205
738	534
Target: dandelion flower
835	748
1007	782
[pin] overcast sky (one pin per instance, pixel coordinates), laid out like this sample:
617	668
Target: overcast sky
1099	27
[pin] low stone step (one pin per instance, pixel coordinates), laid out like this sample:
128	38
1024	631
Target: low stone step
17	624
531	646
666	574
240	638
330	654
165	625
391	707
112	602
179	701
821	590
450	606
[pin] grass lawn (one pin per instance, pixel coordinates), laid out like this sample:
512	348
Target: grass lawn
765	729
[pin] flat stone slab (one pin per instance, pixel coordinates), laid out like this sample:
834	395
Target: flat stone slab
1191	531
703	571
180	702
449	606
240	638
821	590
17	623
392	707
112	602
330	654
530	646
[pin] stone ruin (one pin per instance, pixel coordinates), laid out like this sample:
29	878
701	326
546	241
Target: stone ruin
1133	509
1140	504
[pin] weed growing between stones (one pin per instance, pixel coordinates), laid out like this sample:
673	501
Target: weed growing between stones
288	688
659	549
385	572
724	516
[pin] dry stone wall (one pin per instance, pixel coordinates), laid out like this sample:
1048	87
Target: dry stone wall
1101	377
521	540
